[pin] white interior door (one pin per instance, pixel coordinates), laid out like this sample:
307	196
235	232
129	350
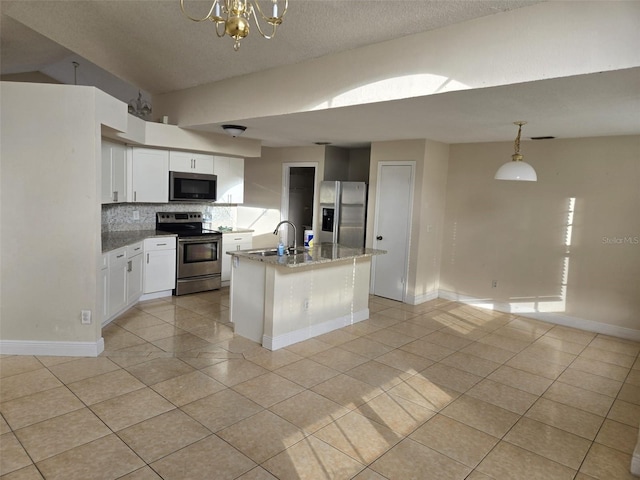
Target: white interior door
392	229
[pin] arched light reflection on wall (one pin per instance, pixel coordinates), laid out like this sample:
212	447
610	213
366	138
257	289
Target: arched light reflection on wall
395	88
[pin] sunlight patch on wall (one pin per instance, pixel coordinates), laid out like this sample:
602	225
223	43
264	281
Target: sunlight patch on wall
395	88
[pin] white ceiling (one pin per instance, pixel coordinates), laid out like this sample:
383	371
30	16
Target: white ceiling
149	45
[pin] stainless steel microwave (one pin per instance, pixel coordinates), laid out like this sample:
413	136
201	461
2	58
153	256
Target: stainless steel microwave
192	187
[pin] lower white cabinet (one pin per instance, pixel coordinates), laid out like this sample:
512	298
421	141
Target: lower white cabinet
117	284
233	241
121	276
160	264
134	272
104	287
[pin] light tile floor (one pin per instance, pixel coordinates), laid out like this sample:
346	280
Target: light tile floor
435	391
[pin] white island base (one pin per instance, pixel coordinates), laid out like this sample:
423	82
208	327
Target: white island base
279	302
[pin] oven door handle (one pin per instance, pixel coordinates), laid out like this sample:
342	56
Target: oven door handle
199	240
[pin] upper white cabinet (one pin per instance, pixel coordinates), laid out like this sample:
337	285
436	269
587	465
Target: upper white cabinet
149	175
230	182
190	162
114	172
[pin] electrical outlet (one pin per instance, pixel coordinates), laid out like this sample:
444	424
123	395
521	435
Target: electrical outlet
86	317
494	284
136	215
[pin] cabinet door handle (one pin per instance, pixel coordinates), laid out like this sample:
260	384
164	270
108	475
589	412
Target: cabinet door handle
135	194
129	266
120	256
147	258
161	244
115	196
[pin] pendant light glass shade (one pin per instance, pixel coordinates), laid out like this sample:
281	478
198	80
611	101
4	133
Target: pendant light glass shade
517	169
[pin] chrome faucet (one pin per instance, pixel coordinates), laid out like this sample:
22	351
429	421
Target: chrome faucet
295	241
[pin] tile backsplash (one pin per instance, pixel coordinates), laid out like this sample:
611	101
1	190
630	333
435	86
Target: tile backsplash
119	217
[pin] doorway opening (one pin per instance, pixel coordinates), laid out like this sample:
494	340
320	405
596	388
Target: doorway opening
298	185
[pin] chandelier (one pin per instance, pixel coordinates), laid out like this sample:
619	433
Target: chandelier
232	18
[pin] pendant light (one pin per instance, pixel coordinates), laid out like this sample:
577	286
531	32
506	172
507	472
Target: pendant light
517	169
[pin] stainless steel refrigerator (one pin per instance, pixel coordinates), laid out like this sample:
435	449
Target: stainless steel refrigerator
343	206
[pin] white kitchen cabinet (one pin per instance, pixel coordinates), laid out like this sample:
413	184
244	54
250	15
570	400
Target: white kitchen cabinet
104	287
230	182
190	162
114	172
233	241
160	264
117	282
134	272
149	175
121	276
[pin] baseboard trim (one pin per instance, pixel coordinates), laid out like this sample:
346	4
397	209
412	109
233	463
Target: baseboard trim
286	339
154	295
418	299
55	349
555	318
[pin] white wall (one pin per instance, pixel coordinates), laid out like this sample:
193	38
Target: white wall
430	195
263	189
427	211
50	212
582	270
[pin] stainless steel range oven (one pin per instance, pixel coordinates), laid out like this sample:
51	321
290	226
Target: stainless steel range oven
199	251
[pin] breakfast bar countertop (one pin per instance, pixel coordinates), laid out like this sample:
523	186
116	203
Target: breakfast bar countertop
317	254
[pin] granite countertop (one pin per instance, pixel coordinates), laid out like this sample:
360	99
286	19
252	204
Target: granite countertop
322	253
113	240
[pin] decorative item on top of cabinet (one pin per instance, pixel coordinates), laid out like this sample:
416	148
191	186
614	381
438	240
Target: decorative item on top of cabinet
230	172
233	241
114	172
190	162
149	175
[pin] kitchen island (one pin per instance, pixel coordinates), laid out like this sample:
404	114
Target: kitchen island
281	300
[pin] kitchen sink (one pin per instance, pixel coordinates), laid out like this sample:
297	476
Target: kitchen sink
271	252
266	253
